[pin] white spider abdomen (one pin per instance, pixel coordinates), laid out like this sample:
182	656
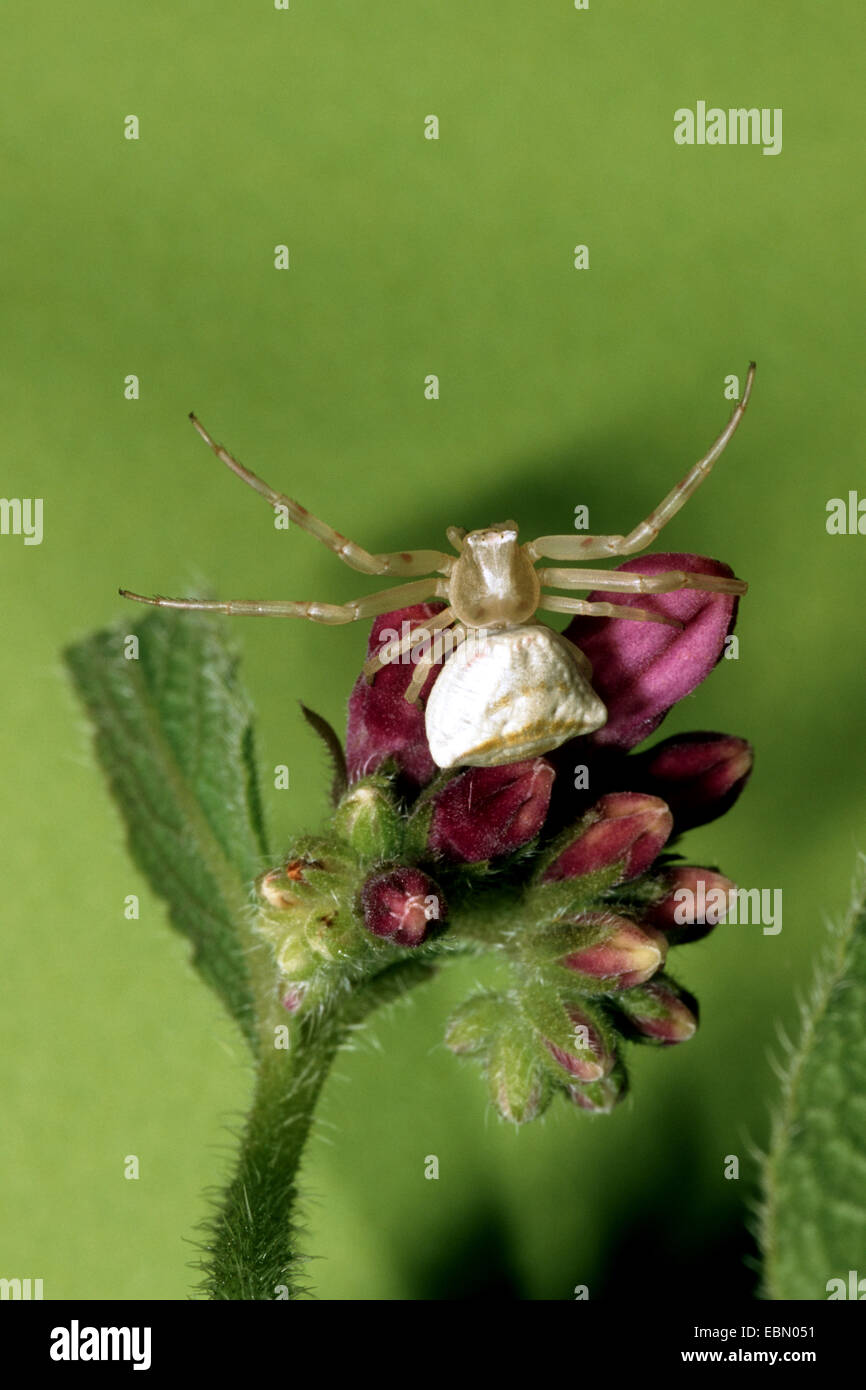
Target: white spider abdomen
509	694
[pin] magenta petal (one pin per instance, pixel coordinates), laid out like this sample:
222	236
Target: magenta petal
487	811
641	669
381	723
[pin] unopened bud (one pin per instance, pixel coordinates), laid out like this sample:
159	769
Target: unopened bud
699	775
281	887
660	1012
576	1036
516	1077
368	818
695	901
293	996
600	1097
486	812
627	829
626	956
401	905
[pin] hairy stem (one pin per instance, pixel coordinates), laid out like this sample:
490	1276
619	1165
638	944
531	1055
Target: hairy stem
252	1248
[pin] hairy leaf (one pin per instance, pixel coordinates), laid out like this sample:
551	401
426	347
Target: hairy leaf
814	1216
174	739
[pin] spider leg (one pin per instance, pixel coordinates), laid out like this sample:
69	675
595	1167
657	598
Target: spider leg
389	653
629	581
405	562
370	606
594	547
557	603
423	666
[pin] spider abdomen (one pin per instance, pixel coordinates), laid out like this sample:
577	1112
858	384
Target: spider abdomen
507	695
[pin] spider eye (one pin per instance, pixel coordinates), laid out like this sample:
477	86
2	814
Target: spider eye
493	536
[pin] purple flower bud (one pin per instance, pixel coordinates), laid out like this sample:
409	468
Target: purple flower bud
625	828
660	1012
400	905
699	775
695	900
641	669
382	724
488	811
584	1051
600	1097
627	956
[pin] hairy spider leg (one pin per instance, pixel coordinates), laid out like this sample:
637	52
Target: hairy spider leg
631	582
371	606
558	603
423	666
389	653
406	562
594	547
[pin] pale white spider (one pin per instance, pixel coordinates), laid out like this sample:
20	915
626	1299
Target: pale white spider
518	688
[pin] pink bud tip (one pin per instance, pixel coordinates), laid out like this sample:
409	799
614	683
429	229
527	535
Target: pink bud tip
695	901
700	775
627	957
400	905
626	828
590	1060
663	1014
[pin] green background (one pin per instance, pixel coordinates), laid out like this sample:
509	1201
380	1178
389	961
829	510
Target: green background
558	387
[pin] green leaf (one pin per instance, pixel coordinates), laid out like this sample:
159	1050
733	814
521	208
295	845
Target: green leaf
813	1222
174	738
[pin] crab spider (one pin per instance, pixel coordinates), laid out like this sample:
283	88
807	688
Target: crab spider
517	688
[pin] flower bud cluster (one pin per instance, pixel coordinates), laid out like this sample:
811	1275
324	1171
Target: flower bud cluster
577	890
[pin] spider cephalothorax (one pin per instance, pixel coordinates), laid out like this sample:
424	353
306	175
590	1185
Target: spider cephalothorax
512	687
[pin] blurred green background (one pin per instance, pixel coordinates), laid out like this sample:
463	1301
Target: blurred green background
558	387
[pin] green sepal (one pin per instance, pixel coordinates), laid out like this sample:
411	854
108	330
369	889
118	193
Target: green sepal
561	842
334	749
476	1023
566	897
518	1080
369	820
549	943
557	1012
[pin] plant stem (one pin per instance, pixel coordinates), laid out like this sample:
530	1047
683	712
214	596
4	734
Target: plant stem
252	1249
